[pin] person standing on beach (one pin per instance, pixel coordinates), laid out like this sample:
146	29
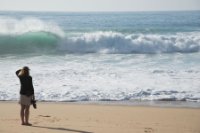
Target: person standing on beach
26	94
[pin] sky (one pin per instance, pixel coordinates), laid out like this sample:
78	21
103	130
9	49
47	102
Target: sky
99	5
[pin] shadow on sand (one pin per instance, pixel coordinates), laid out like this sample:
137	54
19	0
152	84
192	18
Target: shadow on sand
62	129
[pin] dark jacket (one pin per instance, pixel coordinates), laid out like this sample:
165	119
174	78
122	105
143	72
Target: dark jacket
26	84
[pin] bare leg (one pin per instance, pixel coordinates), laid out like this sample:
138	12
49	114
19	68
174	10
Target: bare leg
27	115
22	113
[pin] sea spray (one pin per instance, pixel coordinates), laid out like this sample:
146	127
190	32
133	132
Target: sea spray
11	26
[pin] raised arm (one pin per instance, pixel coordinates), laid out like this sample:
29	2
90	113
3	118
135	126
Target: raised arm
17	72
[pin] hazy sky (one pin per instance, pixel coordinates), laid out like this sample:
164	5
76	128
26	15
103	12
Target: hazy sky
99	5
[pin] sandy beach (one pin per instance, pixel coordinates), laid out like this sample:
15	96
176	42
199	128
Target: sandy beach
87	118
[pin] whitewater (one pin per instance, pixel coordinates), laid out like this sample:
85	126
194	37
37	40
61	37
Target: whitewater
102	56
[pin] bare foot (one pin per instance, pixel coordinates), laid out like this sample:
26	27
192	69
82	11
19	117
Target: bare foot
28	124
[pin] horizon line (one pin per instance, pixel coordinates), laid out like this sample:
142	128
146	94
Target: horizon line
98	11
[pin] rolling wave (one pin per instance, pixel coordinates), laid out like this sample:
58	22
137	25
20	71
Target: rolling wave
28	35
100	42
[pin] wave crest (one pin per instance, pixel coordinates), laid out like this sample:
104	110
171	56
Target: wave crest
113	42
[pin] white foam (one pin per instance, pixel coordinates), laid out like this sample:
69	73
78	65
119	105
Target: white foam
96	77
114	42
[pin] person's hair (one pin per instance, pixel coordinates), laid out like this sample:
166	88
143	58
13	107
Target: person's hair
24	72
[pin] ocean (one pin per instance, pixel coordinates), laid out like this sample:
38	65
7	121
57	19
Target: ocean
102	56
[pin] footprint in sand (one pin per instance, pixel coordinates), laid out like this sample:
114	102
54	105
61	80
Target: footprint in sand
148	130
44	115
41	118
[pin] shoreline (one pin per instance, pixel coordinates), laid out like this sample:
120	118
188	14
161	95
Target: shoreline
59	117
134	103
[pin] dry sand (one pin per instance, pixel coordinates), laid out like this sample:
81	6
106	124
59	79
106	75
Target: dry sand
77	118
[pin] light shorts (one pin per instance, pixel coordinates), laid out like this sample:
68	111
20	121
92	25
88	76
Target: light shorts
25	100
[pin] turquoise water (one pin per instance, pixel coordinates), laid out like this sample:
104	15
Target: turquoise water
102	56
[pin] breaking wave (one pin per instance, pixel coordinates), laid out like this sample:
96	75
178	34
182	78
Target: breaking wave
113	42
32	35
